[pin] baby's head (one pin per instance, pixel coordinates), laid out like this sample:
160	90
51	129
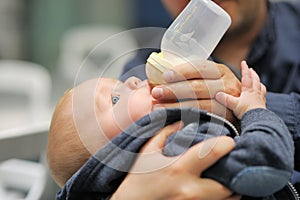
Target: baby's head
88	116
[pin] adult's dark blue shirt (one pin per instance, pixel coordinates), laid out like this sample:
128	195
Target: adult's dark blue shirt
275	56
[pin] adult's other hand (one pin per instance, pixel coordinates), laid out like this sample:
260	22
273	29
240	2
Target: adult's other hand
155	176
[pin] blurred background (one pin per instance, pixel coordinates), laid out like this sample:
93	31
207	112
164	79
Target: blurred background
42	45
36	30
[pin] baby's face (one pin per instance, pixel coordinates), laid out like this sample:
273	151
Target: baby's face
120	104
103	108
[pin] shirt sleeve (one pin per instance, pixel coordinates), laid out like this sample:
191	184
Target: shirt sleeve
287	107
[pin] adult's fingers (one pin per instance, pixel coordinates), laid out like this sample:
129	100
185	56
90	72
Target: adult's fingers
191	83
210	105
195	70
157	142
208	189
150	158
190	89
201	156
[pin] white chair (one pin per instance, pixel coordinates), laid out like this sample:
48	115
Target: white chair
22	179
93	51
25	93
23	173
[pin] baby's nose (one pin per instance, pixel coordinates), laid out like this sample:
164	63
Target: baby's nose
133	82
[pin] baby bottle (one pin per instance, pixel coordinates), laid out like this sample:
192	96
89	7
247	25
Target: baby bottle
193	35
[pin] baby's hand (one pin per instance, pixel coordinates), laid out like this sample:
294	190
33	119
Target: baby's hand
253	94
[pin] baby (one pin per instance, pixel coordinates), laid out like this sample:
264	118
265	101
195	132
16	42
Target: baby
99	125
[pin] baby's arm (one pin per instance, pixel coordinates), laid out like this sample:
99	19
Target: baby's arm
262	161
253	94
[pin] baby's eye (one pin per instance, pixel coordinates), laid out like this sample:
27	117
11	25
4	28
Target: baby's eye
115	99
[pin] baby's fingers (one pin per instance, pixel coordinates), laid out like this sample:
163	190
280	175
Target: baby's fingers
226	100
263	89
246	75
255	80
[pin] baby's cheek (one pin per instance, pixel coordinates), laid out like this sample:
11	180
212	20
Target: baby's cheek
138	107
122	117
135	110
